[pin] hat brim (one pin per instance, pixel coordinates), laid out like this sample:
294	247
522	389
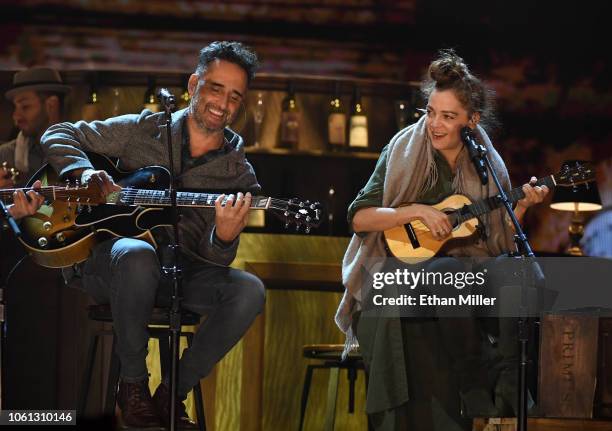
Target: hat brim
56	88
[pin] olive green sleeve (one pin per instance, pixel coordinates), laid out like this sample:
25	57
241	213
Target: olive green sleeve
371	195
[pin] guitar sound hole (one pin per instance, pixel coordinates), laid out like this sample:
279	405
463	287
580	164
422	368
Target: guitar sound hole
452	217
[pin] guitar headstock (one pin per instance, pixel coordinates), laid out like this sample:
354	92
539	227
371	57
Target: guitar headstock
8	172
575	172
299	213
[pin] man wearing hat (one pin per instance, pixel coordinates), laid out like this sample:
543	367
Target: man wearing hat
37	95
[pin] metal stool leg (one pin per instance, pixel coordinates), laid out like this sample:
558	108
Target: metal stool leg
164	350
86	379
351	372
113	379
197	393
305	392
332	393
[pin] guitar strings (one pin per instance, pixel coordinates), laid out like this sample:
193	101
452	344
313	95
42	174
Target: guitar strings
134	194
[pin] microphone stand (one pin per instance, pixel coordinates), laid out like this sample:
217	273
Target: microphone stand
6	215
525	250
173	269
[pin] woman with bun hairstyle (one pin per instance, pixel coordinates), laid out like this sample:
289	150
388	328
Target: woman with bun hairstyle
427	373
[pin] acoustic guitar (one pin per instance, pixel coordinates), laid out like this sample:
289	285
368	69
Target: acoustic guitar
74	219
413	242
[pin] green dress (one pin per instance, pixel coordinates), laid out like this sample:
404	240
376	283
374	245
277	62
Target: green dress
411	386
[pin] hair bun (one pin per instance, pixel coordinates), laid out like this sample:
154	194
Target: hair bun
449	67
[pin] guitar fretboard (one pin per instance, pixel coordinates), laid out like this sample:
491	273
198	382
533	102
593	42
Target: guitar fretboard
484	206
184	199
76	194
48	192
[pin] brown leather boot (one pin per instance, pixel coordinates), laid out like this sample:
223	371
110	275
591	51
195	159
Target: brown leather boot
161	398
137	409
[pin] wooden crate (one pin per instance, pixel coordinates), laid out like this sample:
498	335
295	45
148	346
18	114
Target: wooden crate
568	365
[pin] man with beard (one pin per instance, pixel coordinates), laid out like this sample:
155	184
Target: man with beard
125	272
37	95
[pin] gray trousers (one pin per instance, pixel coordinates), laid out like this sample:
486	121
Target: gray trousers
125	273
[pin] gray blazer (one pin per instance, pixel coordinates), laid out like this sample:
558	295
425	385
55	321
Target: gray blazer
139	140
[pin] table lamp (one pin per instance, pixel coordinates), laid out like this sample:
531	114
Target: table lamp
579	198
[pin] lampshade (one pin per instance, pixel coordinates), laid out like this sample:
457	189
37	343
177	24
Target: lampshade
582	197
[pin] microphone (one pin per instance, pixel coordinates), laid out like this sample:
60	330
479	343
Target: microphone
477	153
166	98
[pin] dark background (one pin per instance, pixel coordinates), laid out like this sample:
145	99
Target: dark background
549	63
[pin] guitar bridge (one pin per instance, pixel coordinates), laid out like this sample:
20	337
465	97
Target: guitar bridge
412	236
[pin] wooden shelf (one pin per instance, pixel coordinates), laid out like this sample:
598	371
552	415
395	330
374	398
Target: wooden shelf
263	81
312	153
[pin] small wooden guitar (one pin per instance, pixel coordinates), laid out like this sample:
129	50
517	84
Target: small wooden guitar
64	230
413	242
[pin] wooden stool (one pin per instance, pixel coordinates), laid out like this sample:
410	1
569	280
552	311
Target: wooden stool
330	357
160	317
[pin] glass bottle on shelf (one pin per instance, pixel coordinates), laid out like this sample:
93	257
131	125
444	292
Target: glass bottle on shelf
331	209
184	98
416	111
258	116
290	120
150	98
91	109
336	122
358	126
402	113
116	104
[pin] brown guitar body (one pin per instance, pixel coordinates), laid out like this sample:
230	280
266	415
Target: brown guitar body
413	242
52	236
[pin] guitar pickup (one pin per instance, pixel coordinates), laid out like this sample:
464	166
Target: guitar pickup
412	236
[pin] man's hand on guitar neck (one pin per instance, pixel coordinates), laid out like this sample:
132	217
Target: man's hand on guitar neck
22	206
100	180
232	217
